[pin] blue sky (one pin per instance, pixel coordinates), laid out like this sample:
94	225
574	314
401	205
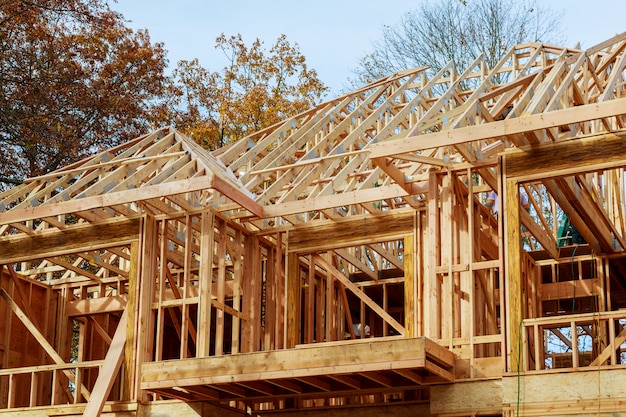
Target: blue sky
332	35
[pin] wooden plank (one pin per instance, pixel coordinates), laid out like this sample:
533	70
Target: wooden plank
338	200
109	199
82	237
100	330
128	387
351	231
205	277
87	306
410	287
186	324
497	129
237	196
513	277
391	169
610	349
221	282
146	275
340	358
360	294
237	291
41	339
472	396
573	156
329	311
570	289
595	385
432	293
108	372
292	309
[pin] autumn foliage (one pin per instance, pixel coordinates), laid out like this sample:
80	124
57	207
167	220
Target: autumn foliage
256	89
74	79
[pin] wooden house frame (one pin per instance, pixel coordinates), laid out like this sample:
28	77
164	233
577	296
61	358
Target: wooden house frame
341	262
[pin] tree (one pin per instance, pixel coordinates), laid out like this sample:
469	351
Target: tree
457	30
74	79
256	89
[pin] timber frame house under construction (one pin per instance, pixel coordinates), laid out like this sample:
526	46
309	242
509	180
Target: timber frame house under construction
342	262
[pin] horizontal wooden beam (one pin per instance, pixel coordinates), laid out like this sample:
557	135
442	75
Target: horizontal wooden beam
573	156
570	289
312	360
100	305
108	199
522	124
344	199
238	196
79	238
350	231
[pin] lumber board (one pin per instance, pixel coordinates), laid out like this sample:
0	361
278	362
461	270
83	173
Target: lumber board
304	361
610	349
513	277
330	201
108	372
130	359
570	289
207	242
474	397
101	305
548	387
293	309
568	157
41	339
70	240
411	305
360	294
323	235
108	199
237	195
501	128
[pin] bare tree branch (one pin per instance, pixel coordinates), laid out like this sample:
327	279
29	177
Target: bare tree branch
459	31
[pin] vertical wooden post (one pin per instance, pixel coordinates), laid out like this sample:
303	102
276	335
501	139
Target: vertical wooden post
271	304
5	335
320	299
184	308
163	271
309	304
432	319
293	301
330	302
513	274
221	287
446	242
410	287
63	336
468	312
251	292
205	286
128	391
280	291
139	344
237	282
420	240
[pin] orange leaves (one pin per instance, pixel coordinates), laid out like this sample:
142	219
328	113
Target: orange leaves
74	79
256	89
